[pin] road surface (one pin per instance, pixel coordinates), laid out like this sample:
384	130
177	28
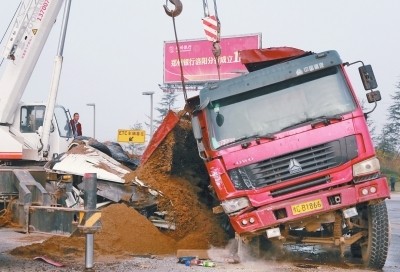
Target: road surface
304	258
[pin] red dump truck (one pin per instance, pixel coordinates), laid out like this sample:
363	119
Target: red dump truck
289	154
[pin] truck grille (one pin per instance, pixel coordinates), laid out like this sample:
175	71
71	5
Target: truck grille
293	165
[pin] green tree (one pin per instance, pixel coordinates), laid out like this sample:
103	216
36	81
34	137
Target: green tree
167	103
388	140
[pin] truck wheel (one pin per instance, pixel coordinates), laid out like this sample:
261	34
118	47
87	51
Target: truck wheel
374	247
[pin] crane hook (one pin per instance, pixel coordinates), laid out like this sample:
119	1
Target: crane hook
178	8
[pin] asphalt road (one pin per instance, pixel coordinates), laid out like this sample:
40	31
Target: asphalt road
304	258
393	260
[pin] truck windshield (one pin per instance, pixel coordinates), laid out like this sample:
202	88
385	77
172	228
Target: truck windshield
280	106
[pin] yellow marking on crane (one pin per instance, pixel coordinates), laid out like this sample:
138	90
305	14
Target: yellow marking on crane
81	216
93	219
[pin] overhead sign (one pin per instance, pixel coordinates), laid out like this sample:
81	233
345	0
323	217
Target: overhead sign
198	62
131	136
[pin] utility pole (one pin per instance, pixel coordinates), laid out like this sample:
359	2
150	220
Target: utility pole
151	112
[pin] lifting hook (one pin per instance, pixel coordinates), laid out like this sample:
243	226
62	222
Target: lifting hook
178	8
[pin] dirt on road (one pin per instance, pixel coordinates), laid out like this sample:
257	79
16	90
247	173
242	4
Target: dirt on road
175	170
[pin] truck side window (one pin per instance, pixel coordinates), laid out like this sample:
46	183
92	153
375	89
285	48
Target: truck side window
32	118
24	120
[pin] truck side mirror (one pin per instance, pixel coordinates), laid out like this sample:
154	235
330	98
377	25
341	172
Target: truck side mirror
196	128
219	119
374	96
368	77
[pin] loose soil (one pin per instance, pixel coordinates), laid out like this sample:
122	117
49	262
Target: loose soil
173	169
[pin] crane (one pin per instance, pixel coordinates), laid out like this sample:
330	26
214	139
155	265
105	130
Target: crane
26	130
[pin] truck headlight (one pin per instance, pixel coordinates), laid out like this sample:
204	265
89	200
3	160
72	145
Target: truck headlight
366	167
234	205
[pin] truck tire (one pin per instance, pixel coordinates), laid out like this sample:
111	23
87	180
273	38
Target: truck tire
373	249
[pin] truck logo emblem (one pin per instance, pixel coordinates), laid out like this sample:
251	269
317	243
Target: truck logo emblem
310	68
299	72
242	161
294	166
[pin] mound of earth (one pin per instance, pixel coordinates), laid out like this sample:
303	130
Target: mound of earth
174	169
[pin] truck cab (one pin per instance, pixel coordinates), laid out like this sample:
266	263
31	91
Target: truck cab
289	153
27	130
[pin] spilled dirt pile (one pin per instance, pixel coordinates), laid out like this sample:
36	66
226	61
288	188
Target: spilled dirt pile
5	218
174	169
124	230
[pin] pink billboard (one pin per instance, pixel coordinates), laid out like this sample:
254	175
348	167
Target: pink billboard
198	61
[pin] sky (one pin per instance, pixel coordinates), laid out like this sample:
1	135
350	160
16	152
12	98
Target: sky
114	49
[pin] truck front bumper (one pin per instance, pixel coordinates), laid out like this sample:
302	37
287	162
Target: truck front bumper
295	209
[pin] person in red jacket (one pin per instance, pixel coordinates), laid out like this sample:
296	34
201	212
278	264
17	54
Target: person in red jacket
76	126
